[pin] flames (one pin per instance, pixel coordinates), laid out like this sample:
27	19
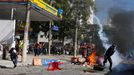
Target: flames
92	58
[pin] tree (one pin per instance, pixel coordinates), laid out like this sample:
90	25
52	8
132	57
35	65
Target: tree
40	26
73	9
80	14
67	24
76	13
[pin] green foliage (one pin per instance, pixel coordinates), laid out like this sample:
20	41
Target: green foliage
72	10
40	26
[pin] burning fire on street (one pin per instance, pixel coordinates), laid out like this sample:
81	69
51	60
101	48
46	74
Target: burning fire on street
92	59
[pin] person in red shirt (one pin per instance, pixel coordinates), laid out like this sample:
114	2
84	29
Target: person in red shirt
84	48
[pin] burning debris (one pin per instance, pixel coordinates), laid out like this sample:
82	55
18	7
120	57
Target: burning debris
92	59
94	62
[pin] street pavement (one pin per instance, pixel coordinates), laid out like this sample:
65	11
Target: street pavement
6	67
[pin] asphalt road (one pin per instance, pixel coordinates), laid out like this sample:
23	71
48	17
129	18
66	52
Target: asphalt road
122	69
68	69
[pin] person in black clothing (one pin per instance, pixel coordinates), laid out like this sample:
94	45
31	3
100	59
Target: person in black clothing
107	56
13	56
37	49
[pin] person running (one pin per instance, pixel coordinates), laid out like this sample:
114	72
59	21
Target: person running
107	56
13	56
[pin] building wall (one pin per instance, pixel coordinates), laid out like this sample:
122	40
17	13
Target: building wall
41	37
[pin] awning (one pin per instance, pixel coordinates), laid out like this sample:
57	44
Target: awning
37	13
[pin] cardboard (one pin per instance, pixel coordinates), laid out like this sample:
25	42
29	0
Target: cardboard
37	61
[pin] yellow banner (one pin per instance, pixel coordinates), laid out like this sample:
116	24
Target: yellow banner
45	6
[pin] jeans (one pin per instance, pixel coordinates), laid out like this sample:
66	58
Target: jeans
14	59
110	61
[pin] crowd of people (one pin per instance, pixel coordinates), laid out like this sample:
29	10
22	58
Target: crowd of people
42	48
56	49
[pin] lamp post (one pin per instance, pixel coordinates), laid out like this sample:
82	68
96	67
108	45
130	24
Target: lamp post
50	38
77	3
50	32
76	40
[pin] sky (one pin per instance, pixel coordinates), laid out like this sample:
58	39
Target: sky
103	6
122	23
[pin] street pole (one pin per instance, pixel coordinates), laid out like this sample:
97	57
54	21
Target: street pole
12	13
12	18
24	56
50	33
76	33
50	38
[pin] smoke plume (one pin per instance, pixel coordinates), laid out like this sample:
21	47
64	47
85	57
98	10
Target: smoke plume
120	29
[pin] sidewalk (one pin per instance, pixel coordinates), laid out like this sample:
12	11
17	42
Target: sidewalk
6	67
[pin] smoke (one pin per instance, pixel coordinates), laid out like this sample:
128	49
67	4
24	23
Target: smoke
120	29
106	44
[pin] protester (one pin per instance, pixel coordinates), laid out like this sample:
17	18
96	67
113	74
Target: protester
37	49
13	56
107	56
84	50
